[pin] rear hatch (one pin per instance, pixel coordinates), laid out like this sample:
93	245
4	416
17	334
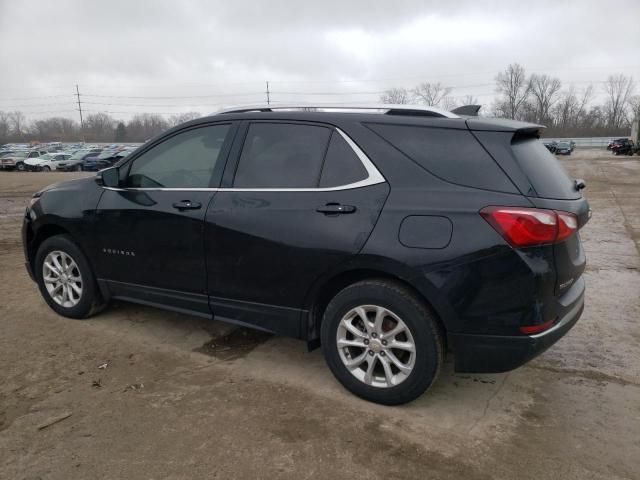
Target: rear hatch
543	180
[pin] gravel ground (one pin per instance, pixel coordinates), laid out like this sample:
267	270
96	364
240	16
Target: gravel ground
179	397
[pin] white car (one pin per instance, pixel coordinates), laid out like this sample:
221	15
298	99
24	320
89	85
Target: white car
45	162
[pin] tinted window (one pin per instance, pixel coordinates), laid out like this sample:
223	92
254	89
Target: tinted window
453	155
186	160
543	170
341	165
281	155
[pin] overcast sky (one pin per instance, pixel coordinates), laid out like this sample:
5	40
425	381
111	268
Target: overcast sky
222	53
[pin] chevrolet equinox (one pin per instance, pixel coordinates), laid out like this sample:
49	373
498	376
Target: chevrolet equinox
387	235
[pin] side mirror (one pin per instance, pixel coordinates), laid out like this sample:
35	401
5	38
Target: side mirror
110	177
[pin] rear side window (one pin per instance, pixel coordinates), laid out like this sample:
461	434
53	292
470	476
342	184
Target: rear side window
282	155
547	176
452	155
341	165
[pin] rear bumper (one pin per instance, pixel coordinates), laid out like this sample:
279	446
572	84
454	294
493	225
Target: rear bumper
495	354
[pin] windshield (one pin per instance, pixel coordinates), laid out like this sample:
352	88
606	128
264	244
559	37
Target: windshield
20	154
107	154
563	144
46	156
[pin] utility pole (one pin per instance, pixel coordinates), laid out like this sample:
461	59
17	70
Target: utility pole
267	92
80	110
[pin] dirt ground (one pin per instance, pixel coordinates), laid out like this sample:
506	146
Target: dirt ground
185	398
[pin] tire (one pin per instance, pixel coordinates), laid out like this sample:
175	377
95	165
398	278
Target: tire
77	305
421	330
46	169
20	167
78	168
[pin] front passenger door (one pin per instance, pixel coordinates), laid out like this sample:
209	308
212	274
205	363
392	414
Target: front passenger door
150	231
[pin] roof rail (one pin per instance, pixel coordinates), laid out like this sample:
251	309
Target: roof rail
387	109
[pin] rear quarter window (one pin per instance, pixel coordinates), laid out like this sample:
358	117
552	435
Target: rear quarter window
452	155
544	171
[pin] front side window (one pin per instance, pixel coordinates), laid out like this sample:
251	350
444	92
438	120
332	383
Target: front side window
186	160
281	155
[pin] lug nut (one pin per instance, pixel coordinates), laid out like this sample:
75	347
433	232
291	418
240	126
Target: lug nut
366	341
382	354
371	352
384	342
374	334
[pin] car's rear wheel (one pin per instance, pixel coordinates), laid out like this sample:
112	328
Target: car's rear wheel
78	168
382	342
20	167
65	278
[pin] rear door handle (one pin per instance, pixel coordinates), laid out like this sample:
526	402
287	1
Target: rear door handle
335	209
187	205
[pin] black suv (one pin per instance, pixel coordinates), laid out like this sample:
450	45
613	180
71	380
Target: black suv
387	236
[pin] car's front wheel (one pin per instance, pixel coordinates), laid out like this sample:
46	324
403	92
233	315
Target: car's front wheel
46	169
65	278
382	342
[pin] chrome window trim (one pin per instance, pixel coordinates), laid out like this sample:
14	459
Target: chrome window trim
374	177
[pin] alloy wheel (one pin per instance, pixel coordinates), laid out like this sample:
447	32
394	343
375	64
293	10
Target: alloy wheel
376	346
62	278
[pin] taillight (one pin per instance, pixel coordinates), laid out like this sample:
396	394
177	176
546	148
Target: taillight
522	226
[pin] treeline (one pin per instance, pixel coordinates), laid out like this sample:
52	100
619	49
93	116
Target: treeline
567	112
98	127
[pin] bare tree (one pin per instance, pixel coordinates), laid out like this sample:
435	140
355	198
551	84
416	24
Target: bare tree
182	117
583	102
565	108
4	126
512	85
544	91
55	128
448	103
634	110
619	89
469	100
396	96
99	126
146	125
17	121
431	93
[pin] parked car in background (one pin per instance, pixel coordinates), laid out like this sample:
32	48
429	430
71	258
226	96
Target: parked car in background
563	148
614	141
623	146
106	159
74	162
15	160
46	162
551	146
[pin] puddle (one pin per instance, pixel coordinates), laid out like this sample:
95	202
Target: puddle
234	345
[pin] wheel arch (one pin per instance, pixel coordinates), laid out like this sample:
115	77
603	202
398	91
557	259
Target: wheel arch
35	238
322	293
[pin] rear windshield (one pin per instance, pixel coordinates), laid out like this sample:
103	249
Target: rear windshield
544	171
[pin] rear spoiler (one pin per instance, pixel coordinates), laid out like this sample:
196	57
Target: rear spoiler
519	129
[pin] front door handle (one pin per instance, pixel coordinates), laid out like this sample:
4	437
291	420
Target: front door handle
187	205
335	209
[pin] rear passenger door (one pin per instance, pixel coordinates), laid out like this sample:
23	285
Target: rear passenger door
301	198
